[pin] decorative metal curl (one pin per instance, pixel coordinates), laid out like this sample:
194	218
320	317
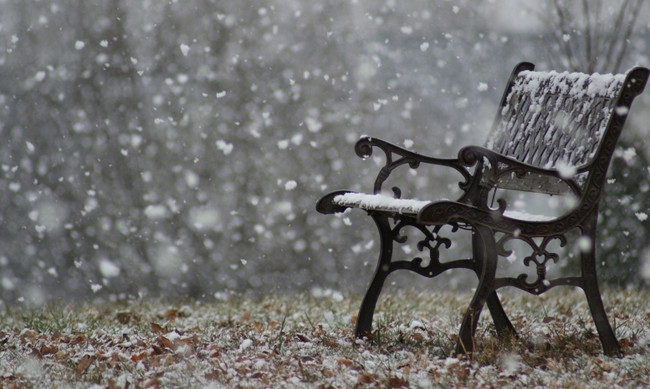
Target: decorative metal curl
432	242
539	257
397	156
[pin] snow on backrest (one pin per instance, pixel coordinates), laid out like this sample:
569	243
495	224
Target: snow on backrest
552	118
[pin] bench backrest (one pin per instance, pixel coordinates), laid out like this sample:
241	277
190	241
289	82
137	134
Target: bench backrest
550	120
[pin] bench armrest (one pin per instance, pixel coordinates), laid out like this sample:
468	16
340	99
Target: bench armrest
444	212
397	156
499	165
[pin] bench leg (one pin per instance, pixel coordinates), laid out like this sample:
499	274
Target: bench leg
367	310
590	287
504	327
486	258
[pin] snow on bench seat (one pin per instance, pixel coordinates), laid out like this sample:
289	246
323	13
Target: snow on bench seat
525	216
380	202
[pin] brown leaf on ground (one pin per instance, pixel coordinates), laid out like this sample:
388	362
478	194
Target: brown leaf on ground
83	364
28	335
158	350
171	314
152	383
157	328
139	356
212	375
124	317
397	382
47	349
245	316
418	337
165	343
344	362
625	343
365	378
77	339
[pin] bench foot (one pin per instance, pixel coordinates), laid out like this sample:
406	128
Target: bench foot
504	327
605	332
367	310
485	255
592	292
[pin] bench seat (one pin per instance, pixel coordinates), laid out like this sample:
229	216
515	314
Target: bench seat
411	207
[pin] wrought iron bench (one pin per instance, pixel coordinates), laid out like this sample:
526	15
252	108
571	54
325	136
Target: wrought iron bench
554	134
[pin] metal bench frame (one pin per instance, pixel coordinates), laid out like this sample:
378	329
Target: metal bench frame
545	119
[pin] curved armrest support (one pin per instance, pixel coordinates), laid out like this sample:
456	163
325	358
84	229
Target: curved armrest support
443	212
397	156
500	165
327	206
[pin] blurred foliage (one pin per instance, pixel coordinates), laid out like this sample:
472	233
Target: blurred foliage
177	148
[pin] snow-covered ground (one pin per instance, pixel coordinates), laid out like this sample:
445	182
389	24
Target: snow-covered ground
307	341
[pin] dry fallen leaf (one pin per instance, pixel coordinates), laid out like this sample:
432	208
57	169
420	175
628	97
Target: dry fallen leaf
84	363
28	334
152	383
157	328
125	317
158	350
365	378
212	375
171	314
417	337
245	316
397	382
166	343
47	349
139	356
77	339
344	362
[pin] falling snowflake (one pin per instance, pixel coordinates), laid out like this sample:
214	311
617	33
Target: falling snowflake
185	49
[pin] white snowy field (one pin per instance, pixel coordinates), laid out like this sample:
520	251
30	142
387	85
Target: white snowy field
307	341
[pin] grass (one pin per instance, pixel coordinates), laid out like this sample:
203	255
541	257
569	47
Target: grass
303	341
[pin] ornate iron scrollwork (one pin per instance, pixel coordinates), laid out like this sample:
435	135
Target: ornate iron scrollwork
539	257
397	156
432	242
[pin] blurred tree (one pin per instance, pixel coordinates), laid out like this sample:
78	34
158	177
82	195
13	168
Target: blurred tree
590	35
596	36
178	147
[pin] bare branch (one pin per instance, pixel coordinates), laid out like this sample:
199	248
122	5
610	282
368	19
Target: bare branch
628	33
614	39
563	28
599	38
588	23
